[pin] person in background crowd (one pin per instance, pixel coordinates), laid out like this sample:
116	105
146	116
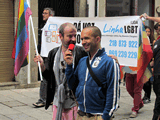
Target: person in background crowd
157	28
135	90
47	12
156	82
150	34
147	85
104	101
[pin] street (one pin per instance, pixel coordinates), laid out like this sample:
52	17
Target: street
16	104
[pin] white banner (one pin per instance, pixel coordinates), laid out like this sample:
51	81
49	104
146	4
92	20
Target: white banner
120	35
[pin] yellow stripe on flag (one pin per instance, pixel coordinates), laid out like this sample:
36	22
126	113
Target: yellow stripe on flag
21	9
146	76
144	34
27	58
140	51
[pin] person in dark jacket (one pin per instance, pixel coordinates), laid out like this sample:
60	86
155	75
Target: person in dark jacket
47	12
156	62
53	70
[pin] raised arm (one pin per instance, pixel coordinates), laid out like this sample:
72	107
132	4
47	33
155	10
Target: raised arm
156	19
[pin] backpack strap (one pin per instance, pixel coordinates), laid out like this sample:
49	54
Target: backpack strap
93	75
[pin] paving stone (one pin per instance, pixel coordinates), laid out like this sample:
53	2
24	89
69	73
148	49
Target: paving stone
19	97
4	98
35	113
11	94
28	92
5	110
13	103
2	117
21	117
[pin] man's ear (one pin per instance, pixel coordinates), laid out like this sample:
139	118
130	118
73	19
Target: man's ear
98	39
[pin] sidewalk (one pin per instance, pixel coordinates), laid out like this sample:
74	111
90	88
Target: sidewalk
16	104
126	103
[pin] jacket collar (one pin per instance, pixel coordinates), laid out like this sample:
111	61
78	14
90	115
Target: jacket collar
98	53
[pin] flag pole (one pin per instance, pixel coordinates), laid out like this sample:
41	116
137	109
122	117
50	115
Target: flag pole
36	48
29	52
35	44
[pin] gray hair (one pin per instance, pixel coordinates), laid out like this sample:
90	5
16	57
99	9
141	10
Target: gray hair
51	11
62	27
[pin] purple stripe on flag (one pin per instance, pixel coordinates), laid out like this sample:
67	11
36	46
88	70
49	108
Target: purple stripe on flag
28	12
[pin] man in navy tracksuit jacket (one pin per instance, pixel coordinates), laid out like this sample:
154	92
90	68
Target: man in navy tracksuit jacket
91	99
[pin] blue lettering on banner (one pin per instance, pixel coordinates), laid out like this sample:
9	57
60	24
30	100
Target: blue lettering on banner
113	52
122	43
132	55
113	43
133	44
113	30
53	27
123	54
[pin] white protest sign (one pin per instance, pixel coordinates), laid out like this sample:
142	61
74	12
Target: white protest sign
120	35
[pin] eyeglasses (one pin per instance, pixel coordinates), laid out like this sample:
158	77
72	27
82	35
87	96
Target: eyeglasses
45	13
63	65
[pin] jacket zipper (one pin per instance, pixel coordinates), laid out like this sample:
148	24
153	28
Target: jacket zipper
84	90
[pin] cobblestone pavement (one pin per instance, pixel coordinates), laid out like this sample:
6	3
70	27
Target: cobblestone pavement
16	104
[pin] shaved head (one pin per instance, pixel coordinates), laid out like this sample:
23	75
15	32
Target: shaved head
95	31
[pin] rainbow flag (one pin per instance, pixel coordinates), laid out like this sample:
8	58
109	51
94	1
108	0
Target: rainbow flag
145	54
21	43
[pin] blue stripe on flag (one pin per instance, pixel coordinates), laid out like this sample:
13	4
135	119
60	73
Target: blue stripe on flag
20	41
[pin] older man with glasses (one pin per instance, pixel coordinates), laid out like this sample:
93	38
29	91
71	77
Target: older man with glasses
41	102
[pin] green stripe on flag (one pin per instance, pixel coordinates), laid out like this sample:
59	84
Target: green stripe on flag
21	24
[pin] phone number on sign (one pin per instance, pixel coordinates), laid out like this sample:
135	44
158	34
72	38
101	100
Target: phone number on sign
123	54
123	43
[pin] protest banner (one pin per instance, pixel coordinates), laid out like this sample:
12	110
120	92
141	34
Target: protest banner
120	35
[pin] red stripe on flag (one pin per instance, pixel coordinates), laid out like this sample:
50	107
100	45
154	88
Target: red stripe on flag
147	55
15	38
